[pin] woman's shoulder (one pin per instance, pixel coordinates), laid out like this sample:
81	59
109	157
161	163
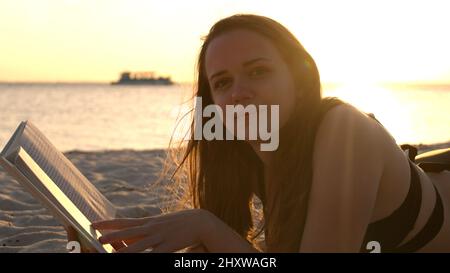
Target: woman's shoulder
345	112
348	115
347	119
344	128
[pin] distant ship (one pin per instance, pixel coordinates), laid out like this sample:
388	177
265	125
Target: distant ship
142	78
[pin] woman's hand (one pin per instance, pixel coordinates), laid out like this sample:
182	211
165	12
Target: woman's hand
197	249
163	233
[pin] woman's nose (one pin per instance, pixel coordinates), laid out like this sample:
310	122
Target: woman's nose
241	94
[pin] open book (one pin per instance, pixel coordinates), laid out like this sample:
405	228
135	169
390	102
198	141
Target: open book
51	178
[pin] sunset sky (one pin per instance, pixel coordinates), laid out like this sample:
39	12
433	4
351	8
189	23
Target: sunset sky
94	40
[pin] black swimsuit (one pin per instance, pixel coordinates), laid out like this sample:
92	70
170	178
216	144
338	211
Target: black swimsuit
390	232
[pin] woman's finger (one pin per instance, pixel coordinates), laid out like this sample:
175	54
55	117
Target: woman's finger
197	249
119	223
126	234
125	243
166	247
141	245
133	240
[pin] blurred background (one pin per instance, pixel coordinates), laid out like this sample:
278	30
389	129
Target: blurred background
58	59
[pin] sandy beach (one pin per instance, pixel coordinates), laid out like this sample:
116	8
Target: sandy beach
123	176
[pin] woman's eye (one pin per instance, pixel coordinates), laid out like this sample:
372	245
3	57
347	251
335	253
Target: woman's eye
259	71
220	84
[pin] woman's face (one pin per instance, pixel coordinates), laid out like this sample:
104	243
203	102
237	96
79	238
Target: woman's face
245	68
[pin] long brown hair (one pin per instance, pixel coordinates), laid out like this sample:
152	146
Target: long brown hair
222	175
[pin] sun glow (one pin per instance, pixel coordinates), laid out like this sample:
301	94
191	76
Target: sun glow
383	103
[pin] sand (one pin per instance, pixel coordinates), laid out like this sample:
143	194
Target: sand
124	177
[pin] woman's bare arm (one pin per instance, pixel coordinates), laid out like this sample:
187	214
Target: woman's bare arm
348	165
221	238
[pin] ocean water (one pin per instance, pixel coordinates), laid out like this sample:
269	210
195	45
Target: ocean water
101	116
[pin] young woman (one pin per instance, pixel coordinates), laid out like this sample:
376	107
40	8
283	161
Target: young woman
337	181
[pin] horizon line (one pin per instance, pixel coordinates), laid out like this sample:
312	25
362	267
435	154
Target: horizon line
191	82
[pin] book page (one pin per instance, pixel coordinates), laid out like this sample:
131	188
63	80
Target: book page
65	175
12	144
60	203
